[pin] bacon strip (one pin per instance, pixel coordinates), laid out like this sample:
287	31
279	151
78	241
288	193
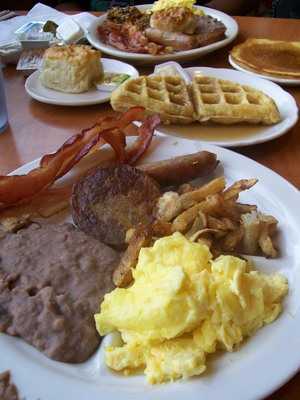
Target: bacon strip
19	188
145	134
79	140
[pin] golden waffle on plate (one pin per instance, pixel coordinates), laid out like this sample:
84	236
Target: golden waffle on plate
206	99
166	95
227	102
271	57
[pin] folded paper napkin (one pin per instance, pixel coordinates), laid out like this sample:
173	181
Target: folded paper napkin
9	44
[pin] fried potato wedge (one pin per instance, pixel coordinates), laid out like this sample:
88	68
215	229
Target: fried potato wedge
141	237
239	186
199	223
251	226
245	208
168	206
204	232
192	197
258	229
210	215
223	223
266	244
13	224
209	206
185	188
161	228
230	242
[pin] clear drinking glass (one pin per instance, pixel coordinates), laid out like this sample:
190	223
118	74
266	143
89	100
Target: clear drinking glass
3	108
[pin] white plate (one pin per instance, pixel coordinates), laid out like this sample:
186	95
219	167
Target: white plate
39	92
264	362
231	32
281	81
240	134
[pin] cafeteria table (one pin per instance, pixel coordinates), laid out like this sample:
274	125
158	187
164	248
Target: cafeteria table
36	128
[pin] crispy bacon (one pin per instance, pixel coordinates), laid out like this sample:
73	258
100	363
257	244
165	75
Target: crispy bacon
77	142
146	130
19	188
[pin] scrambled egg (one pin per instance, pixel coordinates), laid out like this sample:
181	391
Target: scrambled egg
183	305
164	4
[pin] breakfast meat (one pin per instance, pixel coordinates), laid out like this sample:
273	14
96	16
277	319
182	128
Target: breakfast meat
51	280
124	29
185	35
109	201
181	169
209	30
8	390
176	40
34	188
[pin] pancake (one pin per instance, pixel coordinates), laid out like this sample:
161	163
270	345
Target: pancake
270	57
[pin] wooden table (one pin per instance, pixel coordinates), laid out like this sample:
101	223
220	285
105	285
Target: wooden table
37	128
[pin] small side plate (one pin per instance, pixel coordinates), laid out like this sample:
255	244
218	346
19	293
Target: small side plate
38	92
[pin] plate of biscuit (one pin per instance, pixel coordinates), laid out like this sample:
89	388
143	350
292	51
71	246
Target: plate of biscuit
76	75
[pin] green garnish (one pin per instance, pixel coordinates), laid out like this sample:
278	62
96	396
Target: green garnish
50	26
120	78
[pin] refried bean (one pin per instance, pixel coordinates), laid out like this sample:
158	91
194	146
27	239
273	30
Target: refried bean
52	279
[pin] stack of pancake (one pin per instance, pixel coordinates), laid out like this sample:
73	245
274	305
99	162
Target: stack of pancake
276	58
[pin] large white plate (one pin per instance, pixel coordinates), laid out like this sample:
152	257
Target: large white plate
240	134
39	92
231	32
264	362
281	81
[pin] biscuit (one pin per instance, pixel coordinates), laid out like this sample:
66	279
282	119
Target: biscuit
71	69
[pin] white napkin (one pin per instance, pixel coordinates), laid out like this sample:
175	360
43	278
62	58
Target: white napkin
40	12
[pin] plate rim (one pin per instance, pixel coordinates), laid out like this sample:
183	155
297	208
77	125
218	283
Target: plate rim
70	103
173	56
248	141
266	173
275	79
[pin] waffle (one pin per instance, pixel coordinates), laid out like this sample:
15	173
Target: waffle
206	99
166	95
226	102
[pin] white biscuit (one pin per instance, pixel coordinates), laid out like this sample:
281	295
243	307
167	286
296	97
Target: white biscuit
71	69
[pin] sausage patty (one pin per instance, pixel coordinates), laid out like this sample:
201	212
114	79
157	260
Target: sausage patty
109	201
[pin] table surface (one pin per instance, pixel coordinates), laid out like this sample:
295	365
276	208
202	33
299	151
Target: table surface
36	128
